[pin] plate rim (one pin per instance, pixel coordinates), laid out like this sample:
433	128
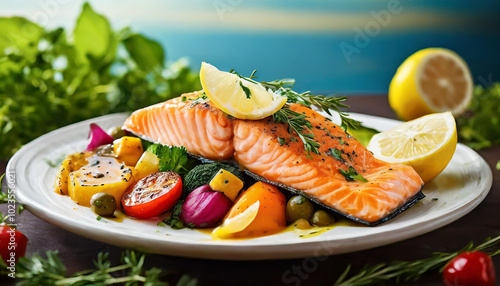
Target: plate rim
242	251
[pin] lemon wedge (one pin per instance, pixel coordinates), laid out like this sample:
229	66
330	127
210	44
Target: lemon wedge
430	81
237	223
427	144
239	97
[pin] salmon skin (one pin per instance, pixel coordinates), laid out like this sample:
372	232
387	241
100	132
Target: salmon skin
268	152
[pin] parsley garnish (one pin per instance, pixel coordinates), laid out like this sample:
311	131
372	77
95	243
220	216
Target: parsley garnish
202	98
335	153
173	158
281	141
98	218
352	175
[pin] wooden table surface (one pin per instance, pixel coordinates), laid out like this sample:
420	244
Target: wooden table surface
78	252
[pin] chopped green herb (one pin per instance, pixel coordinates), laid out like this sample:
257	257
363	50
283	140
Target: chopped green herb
352	175
98	218
184	98
202	98
246	90
498	165
174	220
281	141
293	139
335	153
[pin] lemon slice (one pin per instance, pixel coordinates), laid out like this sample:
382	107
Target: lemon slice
238	97
237	223
427	144
431	80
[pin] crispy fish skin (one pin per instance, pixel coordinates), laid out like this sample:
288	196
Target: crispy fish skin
255	145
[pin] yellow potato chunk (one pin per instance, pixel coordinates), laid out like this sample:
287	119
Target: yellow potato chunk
128	149
148	164
227	183
71	163
101	175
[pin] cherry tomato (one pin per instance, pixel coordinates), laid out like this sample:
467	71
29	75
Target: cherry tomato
152	195
470	268
12	244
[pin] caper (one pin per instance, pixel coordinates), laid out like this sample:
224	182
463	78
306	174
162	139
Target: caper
117	132
298	207
322	218
302	224
103	204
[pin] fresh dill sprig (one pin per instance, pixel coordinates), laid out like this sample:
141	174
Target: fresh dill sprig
298	124
407	271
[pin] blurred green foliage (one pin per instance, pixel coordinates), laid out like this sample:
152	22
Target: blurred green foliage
479	127
50	78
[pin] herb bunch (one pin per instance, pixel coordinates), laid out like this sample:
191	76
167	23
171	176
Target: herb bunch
479	127
408	271
51	78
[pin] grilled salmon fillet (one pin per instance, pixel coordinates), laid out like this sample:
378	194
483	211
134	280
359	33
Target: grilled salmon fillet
266	149
202	128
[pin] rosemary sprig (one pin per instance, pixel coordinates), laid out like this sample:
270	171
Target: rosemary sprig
51	271
298	124
408	271
325	103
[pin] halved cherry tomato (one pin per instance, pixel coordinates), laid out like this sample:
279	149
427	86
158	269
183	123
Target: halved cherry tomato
470	268
152	195
12	244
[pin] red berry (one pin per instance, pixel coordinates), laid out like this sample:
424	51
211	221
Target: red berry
470	268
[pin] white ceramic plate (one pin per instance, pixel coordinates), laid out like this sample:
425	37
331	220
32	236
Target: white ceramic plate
455	192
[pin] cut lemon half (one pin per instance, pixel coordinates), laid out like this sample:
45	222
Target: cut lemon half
427	144
431	80
237	223
239	97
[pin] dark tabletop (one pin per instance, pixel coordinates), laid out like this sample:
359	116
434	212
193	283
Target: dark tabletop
77	252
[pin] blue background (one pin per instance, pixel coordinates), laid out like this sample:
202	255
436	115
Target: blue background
300	39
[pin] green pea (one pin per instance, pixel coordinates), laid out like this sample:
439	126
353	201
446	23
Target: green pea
299	207
322	218
103	204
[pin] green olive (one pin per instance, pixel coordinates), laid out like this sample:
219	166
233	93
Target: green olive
117	132
302	224
103	204
322	218
299	207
